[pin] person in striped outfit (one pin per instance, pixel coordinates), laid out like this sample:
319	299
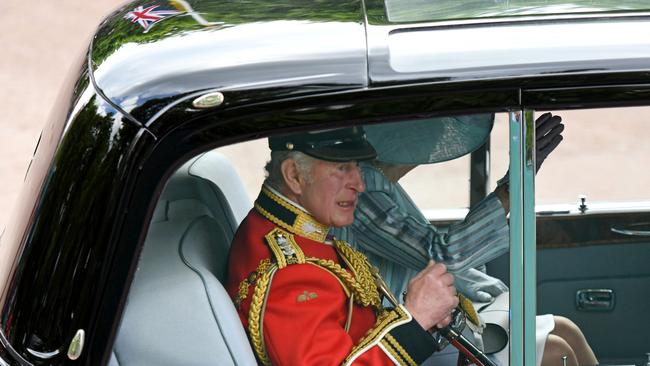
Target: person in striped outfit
392	231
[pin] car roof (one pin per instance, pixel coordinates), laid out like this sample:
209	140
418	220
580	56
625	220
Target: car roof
272	48
147	58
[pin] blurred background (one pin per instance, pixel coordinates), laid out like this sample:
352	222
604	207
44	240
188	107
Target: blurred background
39	41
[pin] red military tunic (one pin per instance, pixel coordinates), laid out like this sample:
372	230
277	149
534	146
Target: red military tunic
305	300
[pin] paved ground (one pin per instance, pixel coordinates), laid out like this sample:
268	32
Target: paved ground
39	40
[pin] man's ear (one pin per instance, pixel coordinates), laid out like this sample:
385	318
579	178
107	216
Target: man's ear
291	176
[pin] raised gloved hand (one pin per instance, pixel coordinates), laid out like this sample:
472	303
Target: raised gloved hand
478	286
548	135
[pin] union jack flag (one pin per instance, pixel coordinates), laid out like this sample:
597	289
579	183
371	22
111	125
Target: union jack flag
149	16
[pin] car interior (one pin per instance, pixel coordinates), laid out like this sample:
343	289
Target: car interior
178	312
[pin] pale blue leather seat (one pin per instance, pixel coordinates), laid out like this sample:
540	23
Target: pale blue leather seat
178	312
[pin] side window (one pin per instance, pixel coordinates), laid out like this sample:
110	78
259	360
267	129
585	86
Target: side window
603	158
499	149
422	167
445	186
248	159
441	186
592	254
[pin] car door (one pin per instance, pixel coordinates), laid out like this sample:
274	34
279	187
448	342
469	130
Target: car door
593	230
592	206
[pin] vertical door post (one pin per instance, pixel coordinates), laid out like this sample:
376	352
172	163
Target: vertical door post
522	238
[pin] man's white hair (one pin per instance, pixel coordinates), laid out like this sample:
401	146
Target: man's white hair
273	169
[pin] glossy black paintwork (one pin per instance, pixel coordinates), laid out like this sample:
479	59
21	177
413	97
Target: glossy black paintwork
588	96
282	49
65	229
16	241
67	258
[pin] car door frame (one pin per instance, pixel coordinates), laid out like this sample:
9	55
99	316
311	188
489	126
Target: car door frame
192	134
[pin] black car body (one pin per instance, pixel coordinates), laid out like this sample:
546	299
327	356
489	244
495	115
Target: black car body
131	116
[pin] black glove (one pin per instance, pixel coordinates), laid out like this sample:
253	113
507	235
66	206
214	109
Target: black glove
548	135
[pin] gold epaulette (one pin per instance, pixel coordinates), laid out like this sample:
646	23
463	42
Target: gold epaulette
284	248
285	251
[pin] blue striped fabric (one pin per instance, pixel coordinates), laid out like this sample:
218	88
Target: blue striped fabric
397	238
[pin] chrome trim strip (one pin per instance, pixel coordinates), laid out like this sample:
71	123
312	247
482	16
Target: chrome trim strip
470	50
43	355
407	26
629	232
451	214
10	349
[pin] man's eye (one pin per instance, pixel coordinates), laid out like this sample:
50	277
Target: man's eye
347	167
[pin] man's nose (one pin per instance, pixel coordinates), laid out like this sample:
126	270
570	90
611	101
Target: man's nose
356	181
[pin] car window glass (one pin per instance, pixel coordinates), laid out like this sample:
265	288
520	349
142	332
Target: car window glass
592	254
248	158
449	179
453	177
421	10
499	149
602	157
206	199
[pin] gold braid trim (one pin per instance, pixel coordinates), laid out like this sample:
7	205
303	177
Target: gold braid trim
284	248
360	266
408	360
343	285
360	287
388	348
383	320
280	258
387	320
317	232
242	291
262	279
256	312
365	296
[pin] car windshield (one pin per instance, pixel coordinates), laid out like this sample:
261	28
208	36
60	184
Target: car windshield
425	10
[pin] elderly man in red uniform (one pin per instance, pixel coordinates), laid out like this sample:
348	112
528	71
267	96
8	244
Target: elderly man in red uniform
309	299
